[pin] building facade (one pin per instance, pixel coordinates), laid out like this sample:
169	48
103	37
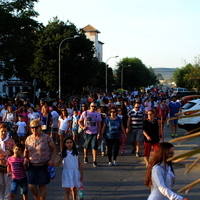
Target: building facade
92	34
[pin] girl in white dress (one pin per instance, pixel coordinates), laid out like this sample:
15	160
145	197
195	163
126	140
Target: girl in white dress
72	174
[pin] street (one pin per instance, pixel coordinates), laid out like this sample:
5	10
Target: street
123	182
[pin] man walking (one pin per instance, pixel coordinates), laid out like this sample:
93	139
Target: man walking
90	122
134	125
174	107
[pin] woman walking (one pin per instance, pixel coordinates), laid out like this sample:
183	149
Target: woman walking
160	174
151	135
111	132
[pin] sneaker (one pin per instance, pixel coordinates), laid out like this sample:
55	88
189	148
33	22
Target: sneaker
102	154
137	155
110	164
115	163
172	135
176	135
85	160
133	151
95	164
122	153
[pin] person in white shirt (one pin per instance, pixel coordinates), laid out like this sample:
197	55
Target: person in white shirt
32	115
21	129
160	175
64	125
54	126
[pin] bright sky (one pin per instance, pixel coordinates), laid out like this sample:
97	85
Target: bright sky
162	33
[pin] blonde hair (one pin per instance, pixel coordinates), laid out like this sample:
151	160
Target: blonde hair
36	122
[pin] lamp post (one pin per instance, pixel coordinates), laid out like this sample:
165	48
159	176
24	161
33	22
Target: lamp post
122	75
107	71
69	38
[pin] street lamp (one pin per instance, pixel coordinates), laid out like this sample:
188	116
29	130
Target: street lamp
122	75
107	71
69	38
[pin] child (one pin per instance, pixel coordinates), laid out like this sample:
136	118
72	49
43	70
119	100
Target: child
16	168
75	126
72	173
21	129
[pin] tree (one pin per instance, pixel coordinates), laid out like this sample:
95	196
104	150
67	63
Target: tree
136	75
184	76
79	68
17	32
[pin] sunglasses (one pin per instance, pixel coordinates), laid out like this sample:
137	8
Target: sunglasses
63	110
93	106
113	111
119	110
137	107
36	127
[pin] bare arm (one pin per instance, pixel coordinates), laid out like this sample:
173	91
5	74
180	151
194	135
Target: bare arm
53	147
80	169
59	162
128	125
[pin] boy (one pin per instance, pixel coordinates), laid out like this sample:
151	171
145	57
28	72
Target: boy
21	129
16	168
75	126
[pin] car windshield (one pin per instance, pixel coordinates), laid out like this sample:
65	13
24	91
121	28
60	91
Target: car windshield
188	105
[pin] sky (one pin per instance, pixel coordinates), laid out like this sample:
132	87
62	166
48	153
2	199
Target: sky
161	33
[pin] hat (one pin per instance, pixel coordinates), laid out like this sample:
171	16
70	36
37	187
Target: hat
118	104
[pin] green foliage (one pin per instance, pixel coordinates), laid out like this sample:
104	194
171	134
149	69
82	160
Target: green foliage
184	77
137	75
78	66
17	30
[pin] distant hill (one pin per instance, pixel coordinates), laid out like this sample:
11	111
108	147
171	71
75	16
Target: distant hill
166	72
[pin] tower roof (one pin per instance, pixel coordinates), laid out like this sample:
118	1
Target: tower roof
90	28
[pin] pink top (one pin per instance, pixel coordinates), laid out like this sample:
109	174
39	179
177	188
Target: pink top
17	167
38	149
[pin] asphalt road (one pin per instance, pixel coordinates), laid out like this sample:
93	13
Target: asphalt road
123	182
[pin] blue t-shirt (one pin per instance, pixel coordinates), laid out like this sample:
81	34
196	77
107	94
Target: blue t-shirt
174	108
112	128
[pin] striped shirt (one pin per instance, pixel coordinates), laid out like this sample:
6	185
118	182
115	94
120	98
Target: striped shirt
136	118
17	167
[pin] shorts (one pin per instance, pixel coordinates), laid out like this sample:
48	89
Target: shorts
175	121
54	130
38	175
90	141
61	132
74	132
21	134
147	148
137	135
19	182
48	130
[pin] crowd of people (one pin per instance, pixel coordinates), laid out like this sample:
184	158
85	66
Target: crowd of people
103	120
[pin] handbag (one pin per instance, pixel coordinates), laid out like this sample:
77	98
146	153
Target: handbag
44	127
3	169
80	130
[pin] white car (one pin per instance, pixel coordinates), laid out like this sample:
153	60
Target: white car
190	123
176	90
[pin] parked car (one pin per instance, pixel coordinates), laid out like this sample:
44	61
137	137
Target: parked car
185	99
23	95
178	89
189	109
185	93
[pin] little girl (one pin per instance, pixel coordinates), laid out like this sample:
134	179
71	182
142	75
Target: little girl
72	174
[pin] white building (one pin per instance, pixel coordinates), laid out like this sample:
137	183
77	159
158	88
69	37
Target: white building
12	86
92	34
